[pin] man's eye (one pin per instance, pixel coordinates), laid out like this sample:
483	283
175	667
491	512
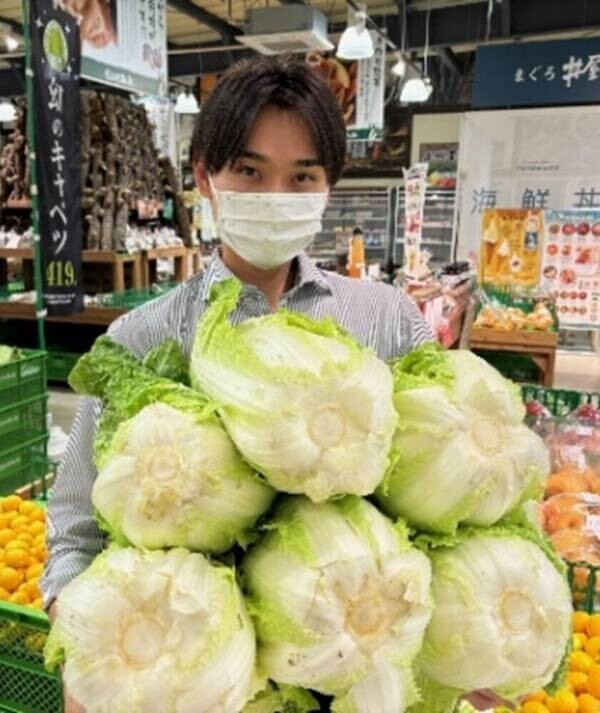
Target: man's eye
305	178
247	171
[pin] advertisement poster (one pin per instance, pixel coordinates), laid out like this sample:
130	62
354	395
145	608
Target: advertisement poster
442	159
415	186
511	247
571	266
359	87
535	159
55	59
123	43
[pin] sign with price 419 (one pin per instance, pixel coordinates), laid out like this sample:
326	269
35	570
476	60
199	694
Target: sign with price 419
55	59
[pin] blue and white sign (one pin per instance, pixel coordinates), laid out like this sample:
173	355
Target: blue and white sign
538	73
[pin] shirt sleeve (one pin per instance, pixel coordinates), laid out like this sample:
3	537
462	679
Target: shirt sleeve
74	538
413	329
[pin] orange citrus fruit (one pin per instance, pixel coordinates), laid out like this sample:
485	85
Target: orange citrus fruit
580	661
588	704
9	579
16	558
534	707
577	681
11	502
593	625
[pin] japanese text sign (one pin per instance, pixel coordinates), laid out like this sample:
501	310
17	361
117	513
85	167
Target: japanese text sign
537	73
55	60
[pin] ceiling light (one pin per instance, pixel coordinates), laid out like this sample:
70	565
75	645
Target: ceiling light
399	69
186	104
7	111
356	41
11	42
416	90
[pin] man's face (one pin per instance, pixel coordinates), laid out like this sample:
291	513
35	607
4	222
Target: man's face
280	157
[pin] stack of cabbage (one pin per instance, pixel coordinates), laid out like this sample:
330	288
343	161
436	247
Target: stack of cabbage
220	596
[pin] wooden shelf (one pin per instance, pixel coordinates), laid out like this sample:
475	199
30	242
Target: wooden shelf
98	316
16	253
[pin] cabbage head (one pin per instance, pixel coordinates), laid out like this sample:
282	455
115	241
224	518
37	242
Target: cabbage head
307	406
340	601
154	631
168	473
461	452
502	617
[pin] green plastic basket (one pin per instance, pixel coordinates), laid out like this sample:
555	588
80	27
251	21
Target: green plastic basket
22	421
25	685
60	364
23	378
22	464
559	402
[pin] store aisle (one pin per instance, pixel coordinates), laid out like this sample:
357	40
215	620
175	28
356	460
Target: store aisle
63	406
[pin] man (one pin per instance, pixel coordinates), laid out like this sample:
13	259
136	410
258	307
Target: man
269	146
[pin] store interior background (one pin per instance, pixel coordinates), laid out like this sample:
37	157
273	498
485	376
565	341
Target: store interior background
202	42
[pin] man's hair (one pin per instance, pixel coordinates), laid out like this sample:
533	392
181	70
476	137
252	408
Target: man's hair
227	117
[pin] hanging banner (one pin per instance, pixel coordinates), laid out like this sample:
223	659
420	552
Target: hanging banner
571	266
123	43
55	60
359	87
370	95
537	73
161	115
415	186
511	247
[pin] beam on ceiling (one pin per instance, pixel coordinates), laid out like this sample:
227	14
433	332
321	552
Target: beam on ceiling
457	25
449	60
14	25
204	17
506	14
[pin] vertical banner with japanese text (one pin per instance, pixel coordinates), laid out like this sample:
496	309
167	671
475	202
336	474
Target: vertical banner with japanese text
55	59
415	186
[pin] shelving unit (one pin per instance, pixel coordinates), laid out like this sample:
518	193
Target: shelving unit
438	224
371	210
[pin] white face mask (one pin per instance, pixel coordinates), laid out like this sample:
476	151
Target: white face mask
268	229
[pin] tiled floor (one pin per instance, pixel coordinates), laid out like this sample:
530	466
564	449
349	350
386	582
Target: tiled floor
577	371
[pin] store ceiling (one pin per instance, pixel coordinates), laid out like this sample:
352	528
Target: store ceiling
455	26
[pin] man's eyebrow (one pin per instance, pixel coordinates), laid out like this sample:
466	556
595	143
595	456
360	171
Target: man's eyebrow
308	162
254	156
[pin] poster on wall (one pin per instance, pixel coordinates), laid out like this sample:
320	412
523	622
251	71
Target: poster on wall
123	43
511	247
55	60
571	266
534	159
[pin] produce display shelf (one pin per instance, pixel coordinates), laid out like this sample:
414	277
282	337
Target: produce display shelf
99	316
559	402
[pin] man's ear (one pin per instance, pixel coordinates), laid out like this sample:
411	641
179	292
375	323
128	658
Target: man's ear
201	176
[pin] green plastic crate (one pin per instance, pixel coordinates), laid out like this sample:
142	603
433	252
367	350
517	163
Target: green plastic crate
22	421
23	464
559	402
60	364
25	685
23	378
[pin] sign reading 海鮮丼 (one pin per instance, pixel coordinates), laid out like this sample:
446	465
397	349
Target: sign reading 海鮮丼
55	61
538	73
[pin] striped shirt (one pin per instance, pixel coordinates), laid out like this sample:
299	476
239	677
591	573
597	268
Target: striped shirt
377	315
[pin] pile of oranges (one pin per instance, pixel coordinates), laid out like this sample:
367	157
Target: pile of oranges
582	691
22	551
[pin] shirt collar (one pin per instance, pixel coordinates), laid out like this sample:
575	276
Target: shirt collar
307	274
